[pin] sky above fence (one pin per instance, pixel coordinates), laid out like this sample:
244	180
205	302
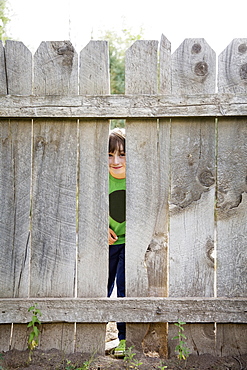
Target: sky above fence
78	20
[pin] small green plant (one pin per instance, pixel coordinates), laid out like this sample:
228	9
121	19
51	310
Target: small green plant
33	339
162	367
182	349
130	361
85	366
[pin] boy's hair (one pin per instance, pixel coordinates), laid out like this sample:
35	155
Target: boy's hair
116	140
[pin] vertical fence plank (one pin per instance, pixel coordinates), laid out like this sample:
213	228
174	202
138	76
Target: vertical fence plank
18	68
55	69
232	71
232	198
231	227
15	208
15	175
191	263
193	68
53	253
5	336
145	242
17	178
165	75
93	195
155	339
141	68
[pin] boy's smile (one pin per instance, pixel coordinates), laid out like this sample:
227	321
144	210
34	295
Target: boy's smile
117	164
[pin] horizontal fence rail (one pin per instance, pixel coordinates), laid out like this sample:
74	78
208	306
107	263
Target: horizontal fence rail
186	152
123	106
140	309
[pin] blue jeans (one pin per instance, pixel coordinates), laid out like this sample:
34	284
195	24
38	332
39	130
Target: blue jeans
117	272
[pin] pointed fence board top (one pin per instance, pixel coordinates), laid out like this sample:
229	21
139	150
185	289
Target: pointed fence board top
232	75
55	69
94	69
18	68
193	68
141	68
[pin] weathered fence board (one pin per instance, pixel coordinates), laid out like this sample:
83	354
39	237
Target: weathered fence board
232	208
165	65
231	339
93	195
191	267
55	69
231	224
15	183
5	335
192	208
200	338
121	106
54	185
18	61
231	197
54	209
94	76
17	79
232	66
145	245
138	309
193	68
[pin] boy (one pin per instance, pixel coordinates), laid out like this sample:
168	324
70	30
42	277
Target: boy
117	213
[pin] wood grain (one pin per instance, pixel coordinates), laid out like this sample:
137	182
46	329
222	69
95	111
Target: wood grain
92	273
15	185
55	69
193	68
120	106
232	68
54	209
192	208
145	238
18	59
135	310
192	198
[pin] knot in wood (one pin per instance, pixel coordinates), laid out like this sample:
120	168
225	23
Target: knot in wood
243	72
178	195
67	48
40	142
196	48
201	69
242	48
206	178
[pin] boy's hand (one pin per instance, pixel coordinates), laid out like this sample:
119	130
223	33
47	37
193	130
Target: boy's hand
112	237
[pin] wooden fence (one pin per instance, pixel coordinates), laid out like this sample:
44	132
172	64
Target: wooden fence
186	216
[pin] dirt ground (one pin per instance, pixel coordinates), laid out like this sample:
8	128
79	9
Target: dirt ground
58	360
55	359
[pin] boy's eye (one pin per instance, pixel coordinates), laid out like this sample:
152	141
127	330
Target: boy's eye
122	154
110	155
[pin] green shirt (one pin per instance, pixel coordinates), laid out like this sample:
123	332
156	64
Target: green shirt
117	207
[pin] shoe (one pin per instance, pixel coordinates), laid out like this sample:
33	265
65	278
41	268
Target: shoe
119	351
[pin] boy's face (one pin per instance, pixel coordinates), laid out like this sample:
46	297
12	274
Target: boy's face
117	164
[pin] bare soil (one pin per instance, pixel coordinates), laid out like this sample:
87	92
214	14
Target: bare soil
55	359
